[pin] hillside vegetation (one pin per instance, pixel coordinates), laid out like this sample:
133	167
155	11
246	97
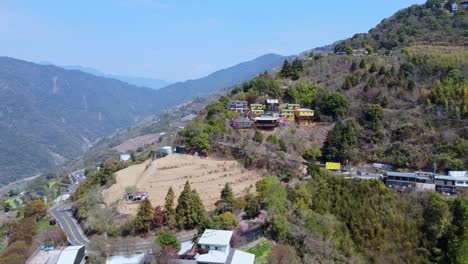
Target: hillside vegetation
404	103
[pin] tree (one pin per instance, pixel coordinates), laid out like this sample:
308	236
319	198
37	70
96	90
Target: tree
272	194
169	211
144	218
225	221
297	65
373	68
252	209
372	81
362	64
167	238
283	254
227	200
349	50
353	66
190	210
282	145
348	84
369	50
372	116
168	254
382	70
312	153
258	137
52	237
158	217
340	142
286	70
335	105
458	239
313	169
36	209
23	230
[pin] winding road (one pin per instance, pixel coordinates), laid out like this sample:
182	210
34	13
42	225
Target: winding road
63	215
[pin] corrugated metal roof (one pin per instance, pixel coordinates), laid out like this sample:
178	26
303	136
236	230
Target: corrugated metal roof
69	255
215	237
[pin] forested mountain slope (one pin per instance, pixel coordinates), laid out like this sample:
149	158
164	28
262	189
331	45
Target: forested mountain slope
49	115
404	104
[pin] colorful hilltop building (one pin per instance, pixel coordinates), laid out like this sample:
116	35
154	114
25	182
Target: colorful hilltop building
293	106
287	114
304	116
257	109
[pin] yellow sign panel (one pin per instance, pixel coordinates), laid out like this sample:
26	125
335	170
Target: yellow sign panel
333	166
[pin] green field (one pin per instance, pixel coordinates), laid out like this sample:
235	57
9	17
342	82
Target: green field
260	248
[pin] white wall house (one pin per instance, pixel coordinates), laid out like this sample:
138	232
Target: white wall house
461	178
125	157
217	242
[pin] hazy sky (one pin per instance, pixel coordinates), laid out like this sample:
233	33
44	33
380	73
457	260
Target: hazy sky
177	39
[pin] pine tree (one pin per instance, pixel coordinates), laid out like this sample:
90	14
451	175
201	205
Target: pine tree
362	65
169	212
190	210
382	70
183	209
373	68
226	203
198	212
297	65
158	217
353	66
348	84
286	70
144	217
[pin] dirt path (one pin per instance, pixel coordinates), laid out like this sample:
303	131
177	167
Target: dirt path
206	175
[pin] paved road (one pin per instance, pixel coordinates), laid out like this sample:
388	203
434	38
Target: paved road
62	213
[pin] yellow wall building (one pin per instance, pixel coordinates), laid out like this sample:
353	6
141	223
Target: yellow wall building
288	114
257	107
304	116
294	106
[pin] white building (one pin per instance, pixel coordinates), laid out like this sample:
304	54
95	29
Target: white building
217	242
72	255
461	178
125	157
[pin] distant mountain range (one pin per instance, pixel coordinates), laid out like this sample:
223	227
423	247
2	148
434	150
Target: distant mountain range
49	115
224	78
137	81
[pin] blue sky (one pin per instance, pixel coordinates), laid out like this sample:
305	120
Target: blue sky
177	39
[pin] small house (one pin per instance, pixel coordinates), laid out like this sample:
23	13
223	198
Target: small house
257	107
124	157
287	114
238	106
241	123
304	116
272	105
137	196
454	8
72	255
293	106
445	184
166	150
464	5
266	122
461	178
214	247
